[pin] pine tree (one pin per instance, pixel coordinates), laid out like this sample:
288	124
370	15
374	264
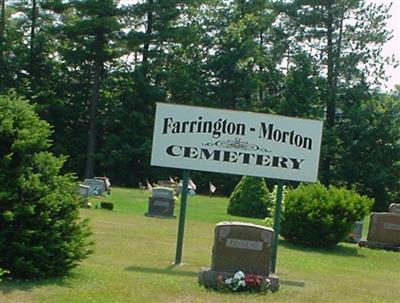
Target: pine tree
345	38
41	233
250	198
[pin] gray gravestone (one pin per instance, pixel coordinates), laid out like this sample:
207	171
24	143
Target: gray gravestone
394	208
384	228
161	203
106	181
96	187
242	247
384	231
356	233
84	190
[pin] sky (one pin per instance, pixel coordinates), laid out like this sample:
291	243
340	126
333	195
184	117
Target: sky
393	46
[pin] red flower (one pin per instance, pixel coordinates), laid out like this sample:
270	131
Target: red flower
253	280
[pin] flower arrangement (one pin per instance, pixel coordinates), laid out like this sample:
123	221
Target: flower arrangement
244	282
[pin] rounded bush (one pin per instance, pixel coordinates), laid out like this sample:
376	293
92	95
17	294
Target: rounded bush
107	205
250	198
41	233
320	216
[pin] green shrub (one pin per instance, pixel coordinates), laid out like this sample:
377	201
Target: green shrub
107	205
41	233
250	198
320	216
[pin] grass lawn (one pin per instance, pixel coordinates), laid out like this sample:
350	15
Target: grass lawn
133	259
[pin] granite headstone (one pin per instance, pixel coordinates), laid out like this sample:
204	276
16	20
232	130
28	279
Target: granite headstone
383	232
242	247
161	203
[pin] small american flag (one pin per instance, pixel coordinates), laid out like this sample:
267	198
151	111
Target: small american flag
148	186
212	188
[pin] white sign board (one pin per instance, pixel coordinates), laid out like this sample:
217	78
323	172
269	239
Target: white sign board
234	142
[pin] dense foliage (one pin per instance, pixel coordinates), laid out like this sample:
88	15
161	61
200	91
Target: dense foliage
41	233
250	198
320	216
96	68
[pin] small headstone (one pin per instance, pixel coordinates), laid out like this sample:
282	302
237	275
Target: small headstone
356	233
107	183
242	247
96	187
384	231
84	190
161	203
394	208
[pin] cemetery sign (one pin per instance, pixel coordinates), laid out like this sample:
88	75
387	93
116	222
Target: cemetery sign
236	142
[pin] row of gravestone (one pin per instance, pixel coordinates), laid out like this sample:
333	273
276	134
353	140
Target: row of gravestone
94	187
247	247
384	228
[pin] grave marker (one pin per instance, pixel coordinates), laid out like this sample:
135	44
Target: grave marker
394	208
356	233
240	246
107	183
384	231
84	190
161	203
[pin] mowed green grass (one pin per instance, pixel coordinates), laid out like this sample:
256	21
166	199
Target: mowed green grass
133	260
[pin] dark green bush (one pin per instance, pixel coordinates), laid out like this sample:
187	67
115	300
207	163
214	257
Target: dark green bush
41	233
250	198
107	205
320	216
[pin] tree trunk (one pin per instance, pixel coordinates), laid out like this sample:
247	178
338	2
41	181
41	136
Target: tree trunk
261	70
2	19
2	43
34	14
330	94
149	30
92	135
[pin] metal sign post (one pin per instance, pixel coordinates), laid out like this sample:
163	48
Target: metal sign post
182	216
277	221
